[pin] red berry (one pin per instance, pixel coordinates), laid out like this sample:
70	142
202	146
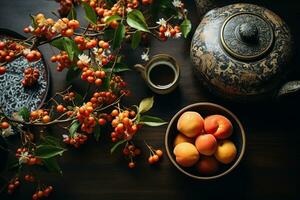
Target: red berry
40	194
4	125
131	165
35	197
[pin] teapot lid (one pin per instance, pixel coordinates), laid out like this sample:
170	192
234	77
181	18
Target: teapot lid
247	36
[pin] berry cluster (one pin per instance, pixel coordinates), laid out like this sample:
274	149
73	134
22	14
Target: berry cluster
92	76
130	151
168	31
48	28
86	117
123	124
41	27
2	70
29	178
40	114
118	84
69	96
13	184
32	55
31	76
155	155
26	157
76	140
42	193
100	98
63	61
64	7
9	50
85	43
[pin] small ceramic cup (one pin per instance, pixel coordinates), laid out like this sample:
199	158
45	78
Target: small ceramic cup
161	73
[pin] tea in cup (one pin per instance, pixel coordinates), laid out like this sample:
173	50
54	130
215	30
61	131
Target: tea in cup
161	73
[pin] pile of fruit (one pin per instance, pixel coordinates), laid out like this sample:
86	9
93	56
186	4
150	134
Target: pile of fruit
203	143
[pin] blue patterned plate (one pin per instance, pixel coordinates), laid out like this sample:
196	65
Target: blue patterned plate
13	95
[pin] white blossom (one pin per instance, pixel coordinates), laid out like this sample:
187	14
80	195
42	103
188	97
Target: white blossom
177	3
168	33
162	22
84	58
23	157
178	35
95	50
26	51
145	56
7	132
128	10
65	136
31	28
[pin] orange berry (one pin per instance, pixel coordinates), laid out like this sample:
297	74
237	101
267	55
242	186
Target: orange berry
46	119
69	32
159	153
40	194
155	158
115	113
98	81
131	165
60	108
4	125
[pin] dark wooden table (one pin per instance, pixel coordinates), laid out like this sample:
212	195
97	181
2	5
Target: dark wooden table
269	170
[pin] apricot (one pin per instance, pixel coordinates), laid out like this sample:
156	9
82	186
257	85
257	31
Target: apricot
207	165
186	154
226	151
218	125
190	124
206	144
180	138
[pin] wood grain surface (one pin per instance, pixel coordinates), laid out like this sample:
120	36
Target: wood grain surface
269	170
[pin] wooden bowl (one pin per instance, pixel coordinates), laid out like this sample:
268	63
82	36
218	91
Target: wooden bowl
206	109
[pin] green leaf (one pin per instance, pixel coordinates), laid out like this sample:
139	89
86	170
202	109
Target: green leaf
72	73
51	140
74	126
90	14
164	7
48	151
119	67
146	104
24	113
71	48
136	39
112	18
68	45
152	121
72	14
33	22
58	43
97	132
52	165
136	20
116	145
186	27
118	36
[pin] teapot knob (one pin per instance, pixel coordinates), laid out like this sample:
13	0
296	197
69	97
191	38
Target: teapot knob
248	33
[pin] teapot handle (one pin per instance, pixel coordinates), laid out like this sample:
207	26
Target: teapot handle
289	88
141	69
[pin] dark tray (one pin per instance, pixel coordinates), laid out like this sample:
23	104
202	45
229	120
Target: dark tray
13	95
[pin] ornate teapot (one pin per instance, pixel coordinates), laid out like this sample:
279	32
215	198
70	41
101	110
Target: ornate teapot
241	52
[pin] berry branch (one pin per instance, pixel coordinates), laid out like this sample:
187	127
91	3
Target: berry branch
93	53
